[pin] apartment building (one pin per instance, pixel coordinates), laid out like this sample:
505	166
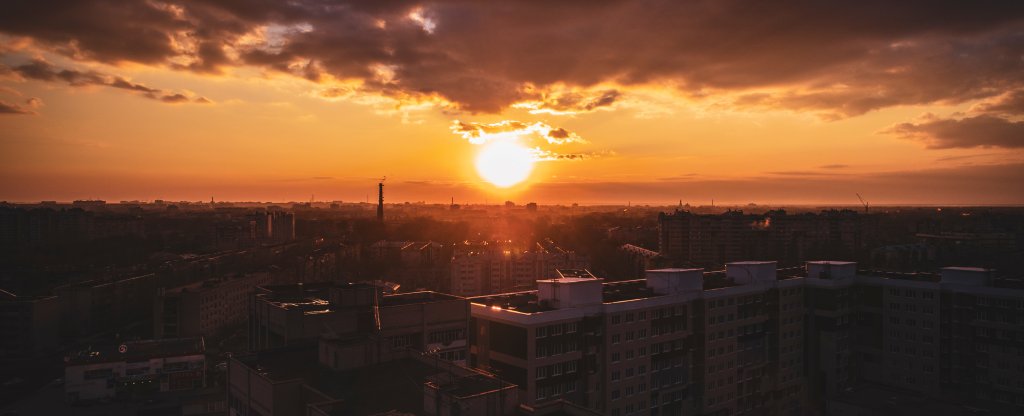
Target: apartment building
754	339
676	342
205	308
486	267
28	324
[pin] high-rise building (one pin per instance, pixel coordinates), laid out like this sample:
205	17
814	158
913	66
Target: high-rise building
755	339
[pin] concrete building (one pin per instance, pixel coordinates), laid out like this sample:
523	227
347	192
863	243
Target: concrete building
713	240
205	308
28	324
136	368
755	339
617	348
486	267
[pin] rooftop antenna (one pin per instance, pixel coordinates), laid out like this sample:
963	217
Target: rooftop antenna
862	201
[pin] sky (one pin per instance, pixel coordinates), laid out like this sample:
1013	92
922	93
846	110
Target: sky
643	102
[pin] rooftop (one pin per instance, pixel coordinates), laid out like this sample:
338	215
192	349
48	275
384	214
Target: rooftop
416	297
139	350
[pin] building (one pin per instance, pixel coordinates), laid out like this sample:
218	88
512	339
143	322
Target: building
412	264
755	339
291	381
369	321
95	306
486	267
205	308
28	324
712	240
135	368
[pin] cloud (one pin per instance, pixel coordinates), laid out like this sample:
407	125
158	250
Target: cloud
26	108
570	102
978	131
835	166
835	59
41	70
480	133
1008	104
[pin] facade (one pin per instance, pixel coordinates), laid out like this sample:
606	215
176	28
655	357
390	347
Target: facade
28	324
205	308
486	267
710	241
95	306
136	368
755	339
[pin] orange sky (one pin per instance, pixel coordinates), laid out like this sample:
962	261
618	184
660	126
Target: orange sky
201	100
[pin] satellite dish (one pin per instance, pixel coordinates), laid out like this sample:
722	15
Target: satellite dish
122	348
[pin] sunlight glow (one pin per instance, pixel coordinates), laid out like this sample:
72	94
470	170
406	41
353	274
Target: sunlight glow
504	163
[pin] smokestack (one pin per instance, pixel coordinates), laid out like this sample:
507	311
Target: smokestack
380	201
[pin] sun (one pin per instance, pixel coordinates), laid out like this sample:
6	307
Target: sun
504	163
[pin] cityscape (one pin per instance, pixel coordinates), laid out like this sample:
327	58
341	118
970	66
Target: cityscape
445	208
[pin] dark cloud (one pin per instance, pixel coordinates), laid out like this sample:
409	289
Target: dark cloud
44	71
26	108
9	108
571	102
978	131
838	59
1009	104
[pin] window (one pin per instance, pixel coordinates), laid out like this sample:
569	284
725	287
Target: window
616	376
615	357
616	319
616	338
572	327
571	366
542	372
542	332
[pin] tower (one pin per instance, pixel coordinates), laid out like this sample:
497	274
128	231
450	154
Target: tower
380	201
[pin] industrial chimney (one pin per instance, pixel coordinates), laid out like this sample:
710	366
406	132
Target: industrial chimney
380	201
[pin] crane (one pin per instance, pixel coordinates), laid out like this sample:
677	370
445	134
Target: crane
862	201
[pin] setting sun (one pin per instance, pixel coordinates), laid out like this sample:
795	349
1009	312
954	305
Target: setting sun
504	163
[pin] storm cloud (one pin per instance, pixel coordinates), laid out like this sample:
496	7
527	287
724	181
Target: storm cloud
838	59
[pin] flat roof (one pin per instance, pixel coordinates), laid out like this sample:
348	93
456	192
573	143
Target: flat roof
571	280
968	269
425	296
139	350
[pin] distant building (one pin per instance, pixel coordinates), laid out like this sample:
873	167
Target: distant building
485	267
205	308
710	241
28	324
136	368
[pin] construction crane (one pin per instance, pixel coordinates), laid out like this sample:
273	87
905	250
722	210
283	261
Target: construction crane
862	201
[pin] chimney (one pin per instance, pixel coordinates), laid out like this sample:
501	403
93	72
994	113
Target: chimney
380	201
